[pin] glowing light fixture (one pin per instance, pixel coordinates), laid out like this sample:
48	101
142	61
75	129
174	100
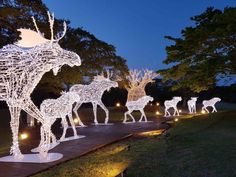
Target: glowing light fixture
24	136
158	113
117	104
176	119
157	104
203	112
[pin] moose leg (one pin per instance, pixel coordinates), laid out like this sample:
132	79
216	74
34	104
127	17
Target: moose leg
129	113
95	113
15	116
214	108
106	111
75	109
143	116
166	112
65	126
72	124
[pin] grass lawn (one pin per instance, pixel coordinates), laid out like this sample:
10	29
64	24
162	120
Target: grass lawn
203	146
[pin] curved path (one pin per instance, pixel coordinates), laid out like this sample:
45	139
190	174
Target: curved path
96	137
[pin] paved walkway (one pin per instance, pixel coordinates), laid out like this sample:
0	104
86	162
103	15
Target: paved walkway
96	137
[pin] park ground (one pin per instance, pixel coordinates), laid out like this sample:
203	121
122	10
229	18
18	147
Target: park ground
199	146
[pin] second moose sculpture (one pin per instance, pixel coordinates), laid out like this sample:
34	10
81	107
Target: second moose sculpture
93	93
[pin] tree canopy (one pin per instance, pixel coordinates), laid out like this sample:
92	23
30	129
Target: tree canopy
96	55
203	52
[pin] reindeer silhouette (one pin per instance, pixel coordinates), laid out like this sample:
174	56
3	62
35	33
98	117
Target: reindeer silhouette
22	66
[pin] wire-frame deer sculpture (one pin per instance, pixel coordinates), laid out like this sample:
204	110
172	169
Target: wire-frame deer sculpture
137	81
22	66
93	93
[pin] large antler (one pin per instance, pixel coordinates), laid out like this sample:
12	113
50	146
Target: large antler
51	20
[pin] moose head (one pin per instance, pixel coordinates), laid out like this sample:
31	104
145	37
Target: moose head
48	51
106	82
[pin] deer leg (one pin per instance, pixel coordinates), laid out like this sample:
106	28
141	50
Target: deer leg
65	126
106	111
75	109
15	116
72	124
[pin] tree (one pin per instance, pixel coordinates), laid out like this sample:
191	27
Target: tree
95	54
203	52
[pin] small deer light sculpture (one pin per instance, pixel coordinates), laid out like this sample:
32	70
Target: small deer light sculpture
93	93
61	107
210	103
137	98
21	68
172	104
192	105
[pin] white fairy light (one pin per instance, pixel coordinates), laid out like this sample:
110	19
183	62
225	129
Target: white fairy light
93	93
211	103
21	68
192	105
137	98
61	107
172	104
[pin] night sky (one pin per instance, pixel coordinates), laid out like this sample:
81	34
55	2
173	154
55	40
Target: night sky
135	27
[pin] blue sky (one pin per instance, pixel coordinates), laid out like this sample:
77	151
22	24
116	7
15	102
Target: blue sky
135	27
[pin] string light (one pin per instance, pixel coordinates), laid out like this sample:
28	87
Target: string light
21	70
172	104
137	98
211	103
93	93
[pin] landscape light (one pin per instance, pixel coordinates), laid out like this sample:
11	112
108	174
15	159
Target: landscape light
117	104
180	111
157	104
203	112
176	119
24	136
76	120
158	113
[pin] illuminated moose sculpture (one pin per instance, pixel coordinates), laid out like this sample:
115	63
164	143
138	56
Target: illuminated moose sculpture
93	93
192	105
21	68
137	99
172	104
210	103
